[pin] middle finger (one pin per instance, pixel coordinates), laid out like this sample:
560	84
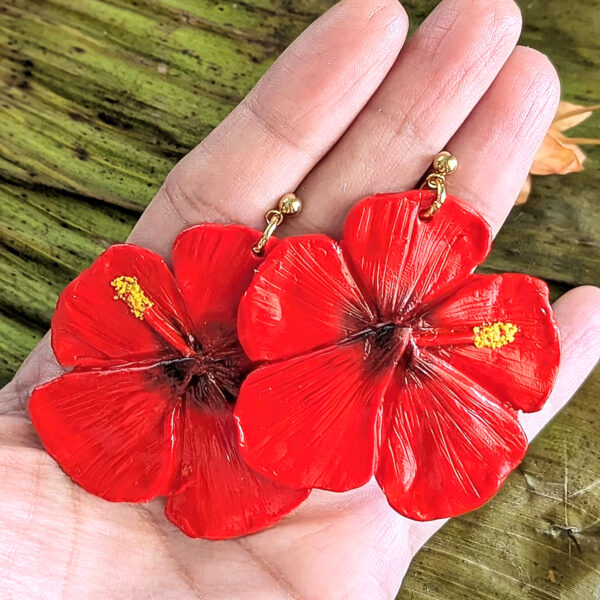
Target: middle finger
439	77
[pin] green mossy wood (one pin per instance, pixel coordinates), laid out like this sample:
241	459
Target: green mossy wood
98	99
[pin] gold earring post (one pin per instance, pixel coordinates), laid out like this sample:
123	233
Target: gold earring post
288	206
444	164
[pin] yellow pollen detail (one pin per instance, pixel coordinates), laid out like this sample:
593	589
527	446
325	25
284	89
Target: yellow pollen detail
128	289
494	335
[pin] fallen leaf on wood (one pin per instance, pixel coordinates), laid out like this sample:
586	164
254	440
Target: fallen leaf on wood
559	154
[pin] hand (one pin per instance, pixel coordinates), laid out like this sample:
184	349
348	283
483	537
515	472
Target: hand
348	110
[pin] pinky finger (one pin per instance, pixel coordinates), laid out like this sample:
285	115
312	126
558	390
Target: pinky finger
578	316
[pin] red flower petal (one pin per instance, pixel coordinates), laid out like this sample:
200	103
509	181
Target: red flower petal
219	495
521	373
91	328
311	421
213	265
302	297
113	432
405	261
447	447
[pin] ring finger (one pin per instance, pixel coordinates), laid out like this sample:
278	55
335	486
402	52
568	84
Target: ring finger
438	79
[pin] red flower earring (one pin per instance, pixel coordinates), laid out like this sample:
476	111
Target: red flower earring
147	410
390	358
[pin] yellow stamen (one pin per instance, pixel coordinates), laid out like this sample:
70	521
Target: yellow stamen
128	289
494	335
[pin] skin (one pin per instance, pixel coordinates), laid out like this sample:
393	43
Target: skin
349	109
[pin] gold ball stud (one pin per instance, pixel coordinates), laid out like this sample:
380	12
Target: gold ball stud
290	204
445	163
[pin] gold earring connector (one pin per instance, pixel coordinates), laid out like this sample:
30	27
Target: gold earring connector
289	205
444	164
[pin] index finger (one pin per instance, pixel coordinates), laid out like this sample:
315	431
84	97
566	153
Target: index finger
285	125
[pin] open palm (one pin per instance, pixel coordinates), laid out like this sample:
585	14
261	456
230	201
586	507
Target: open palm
348	110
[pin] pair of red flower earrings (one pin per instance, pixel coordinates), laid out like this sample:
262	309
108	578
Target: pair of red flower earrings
258	369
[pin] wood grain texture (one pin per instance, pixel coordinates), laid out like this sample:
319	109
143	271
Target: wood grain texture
98	99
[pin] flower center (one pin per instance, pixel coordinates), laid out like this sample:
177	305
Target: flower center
210	378
387	343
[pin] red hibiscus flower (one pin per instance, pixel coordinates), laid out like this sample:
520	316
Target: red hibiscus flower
392	359
147	410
